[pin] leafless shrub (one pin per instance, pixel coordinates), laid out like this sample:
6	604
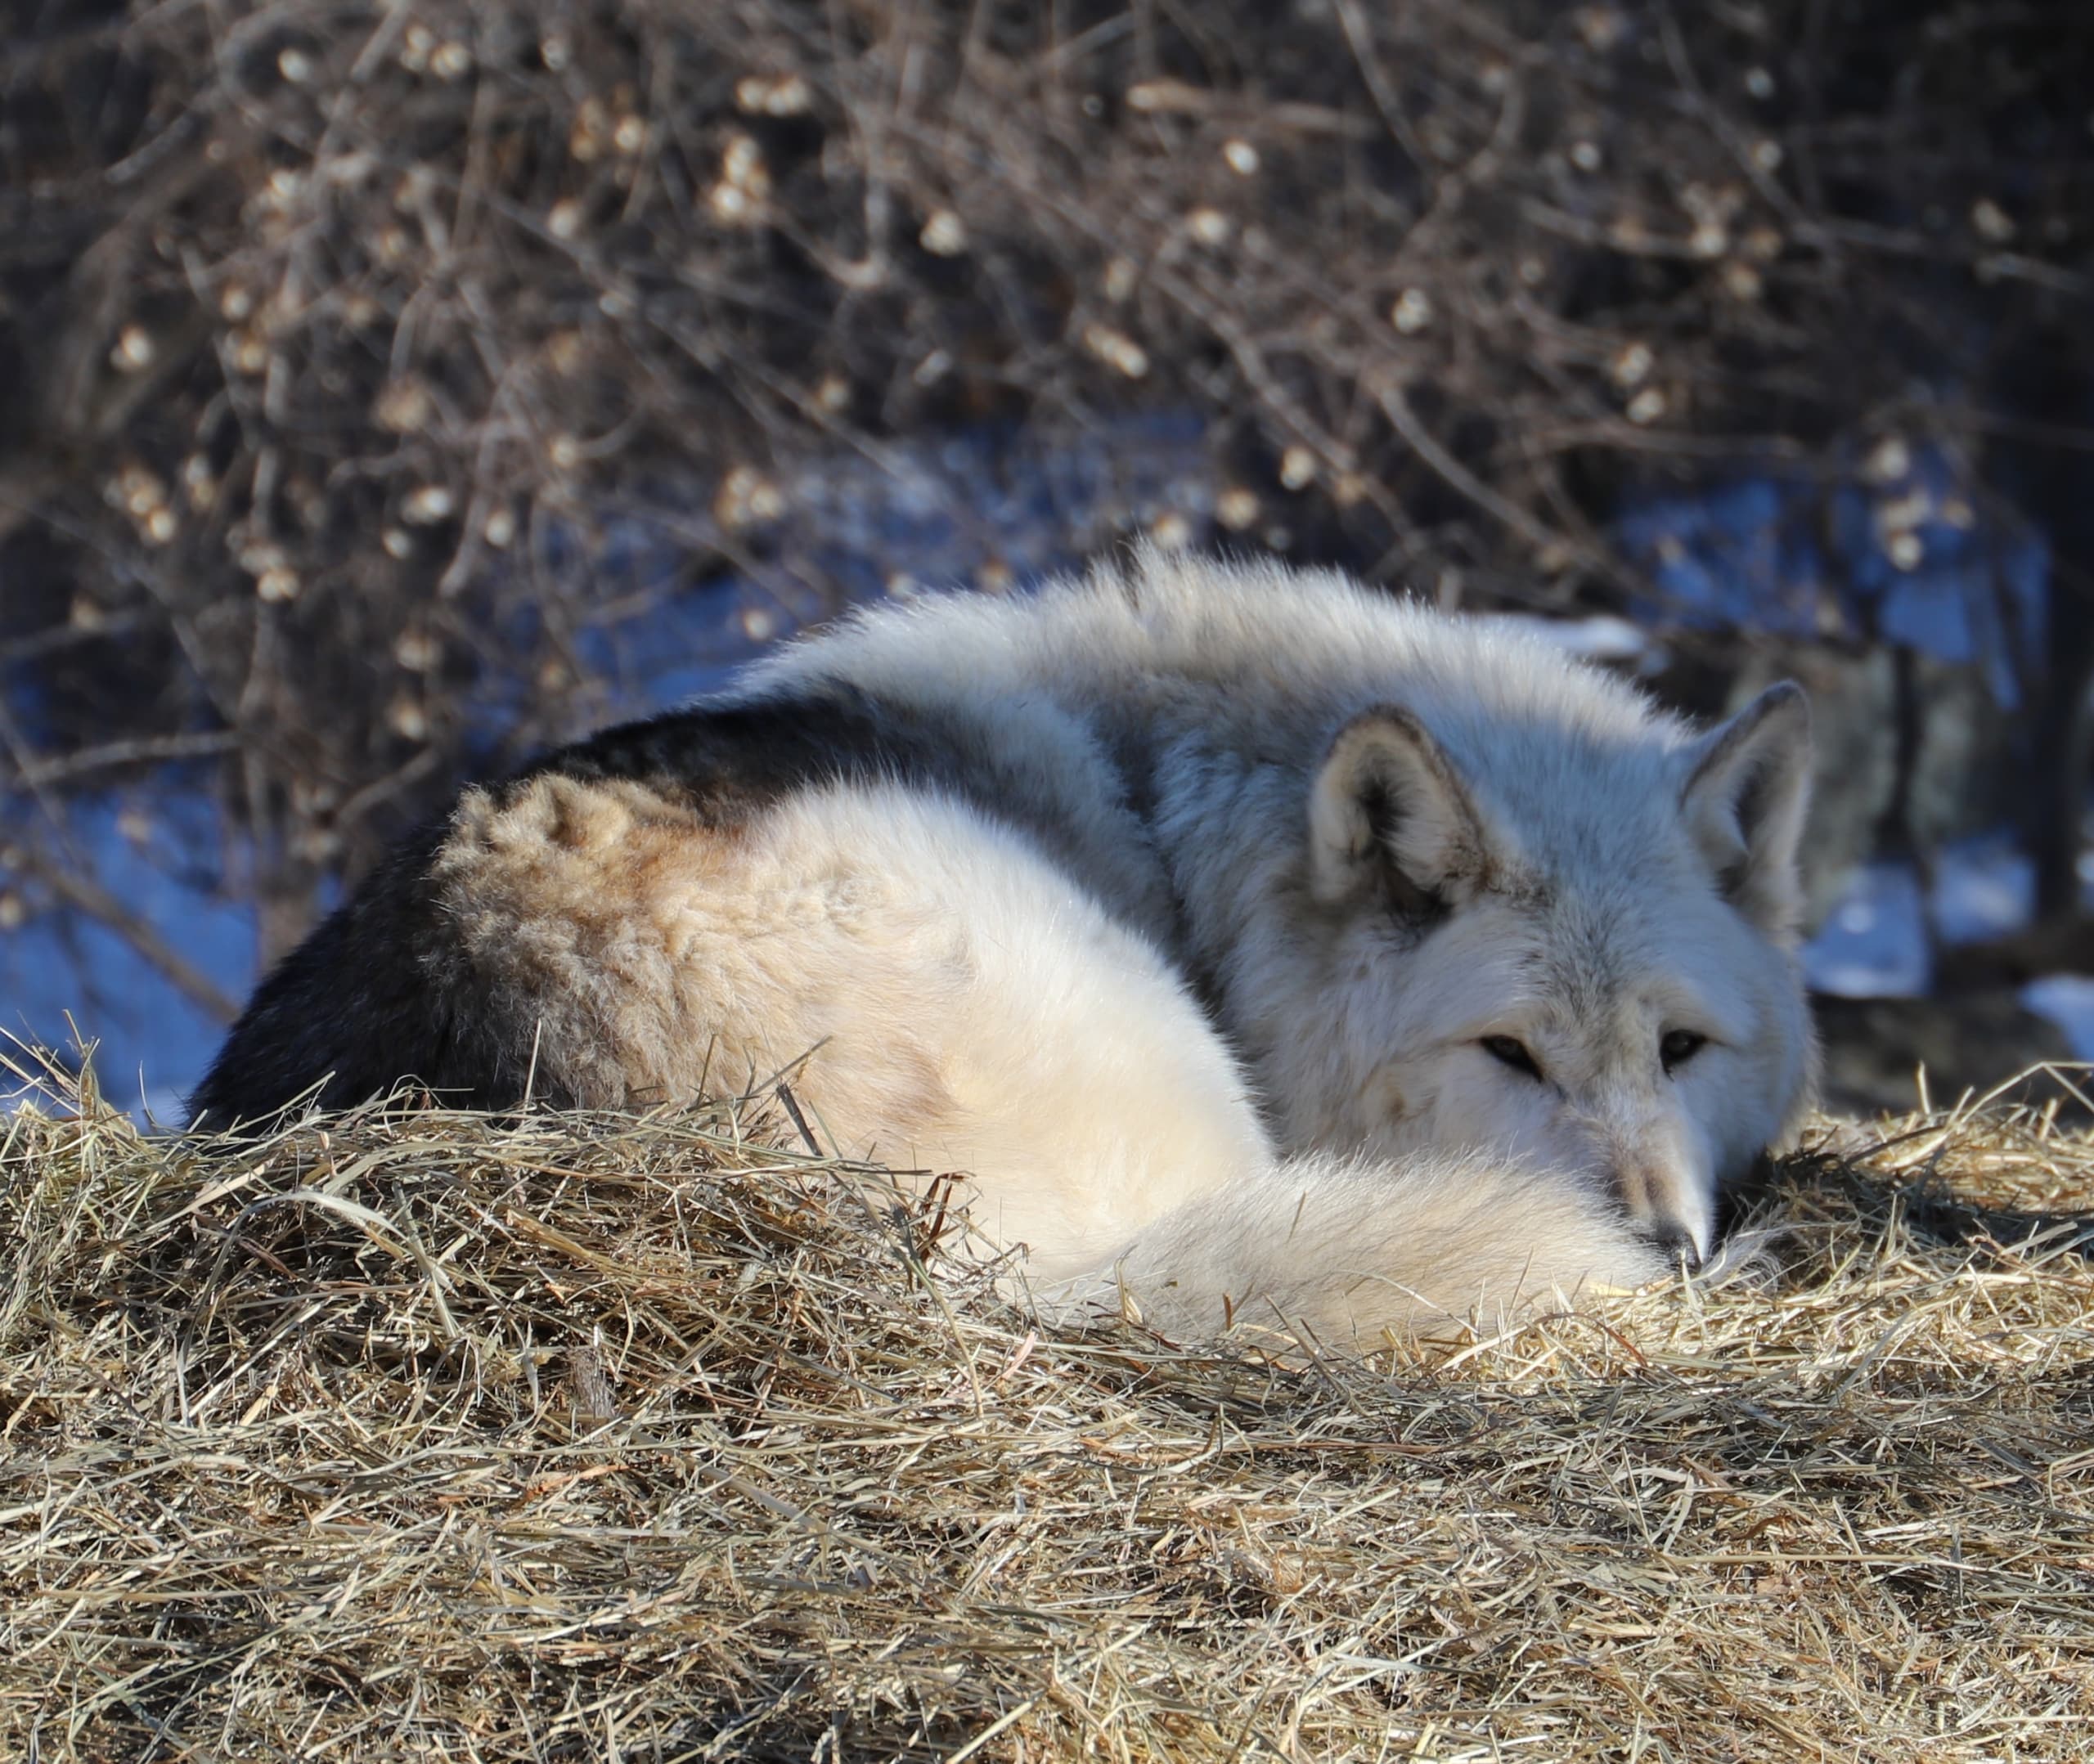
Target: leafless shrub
344	326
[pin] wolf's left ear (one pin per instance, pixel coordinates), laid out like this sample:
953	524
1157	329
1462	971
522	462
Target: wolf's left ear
1744	800
1388	810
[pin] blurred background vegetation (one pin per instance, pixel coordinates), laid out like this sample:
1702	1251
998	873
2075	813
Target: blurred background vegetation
390	387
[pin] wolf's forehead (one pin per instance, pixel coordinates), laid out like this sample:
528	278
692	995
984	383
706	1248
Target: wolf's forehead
1596	828
1563	779
1605	946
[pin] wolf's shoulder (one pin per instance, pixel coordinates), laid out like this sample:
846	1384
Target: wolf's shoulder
1244	643
727	760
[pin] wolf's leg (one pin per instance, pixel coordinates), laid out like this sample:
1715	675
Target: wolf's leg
1357	1251
938	994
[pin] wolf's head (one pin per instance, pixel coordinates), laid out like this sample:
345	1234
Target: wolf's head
1574	944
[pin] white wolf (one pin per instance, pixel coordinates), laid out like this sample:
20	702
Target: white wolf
1247	937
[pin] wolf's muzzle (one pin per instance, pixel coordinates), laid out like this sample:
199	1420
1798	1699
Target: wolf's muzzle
1677	1243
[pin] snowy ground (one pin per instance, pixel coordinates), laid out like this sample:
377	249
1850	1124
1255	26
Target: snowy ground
1874	943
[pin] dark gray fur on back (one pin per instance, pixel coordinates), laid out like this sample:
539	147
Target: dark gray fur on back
381	992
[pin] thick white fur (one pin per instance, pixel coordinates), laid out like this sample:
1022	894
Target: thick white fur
1321	1133
1356	1252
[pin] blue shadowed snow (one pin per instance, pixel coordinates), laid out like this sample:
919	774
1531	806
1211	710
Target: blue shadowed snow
158	853
1873	943
1905	558
1730	554
990	506
1984	887
2068	1001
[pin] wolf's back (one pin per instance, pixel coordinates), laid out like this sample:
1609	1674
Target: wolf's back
392	987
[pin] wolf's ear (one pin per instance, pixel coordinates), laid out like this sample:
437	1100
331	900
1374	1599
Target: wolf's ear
1744	800
1389	809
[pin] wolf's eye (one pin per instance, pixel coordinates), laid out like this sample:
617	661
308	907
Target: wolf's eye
1679	1046
1508	1051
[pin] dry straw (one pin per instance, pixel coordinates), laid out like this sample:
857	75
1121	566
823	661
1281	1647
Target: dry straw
413	1434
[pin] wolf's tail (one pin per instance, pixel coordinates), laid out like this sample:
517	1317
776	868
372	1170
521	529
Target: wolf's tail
1352	1252
379	993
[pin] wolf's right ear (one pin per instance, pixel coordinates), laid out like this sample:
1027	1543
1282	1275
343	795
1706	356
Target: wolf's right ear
1745	799
1388	810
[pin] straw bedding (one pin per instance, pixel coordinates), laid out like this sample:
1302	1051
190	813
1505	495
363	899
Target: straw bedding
418	1435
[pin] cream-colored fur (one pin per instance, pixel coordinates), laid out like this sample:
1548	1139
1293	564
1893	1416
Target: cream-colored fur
1355	1253
1200	988
941	998
945	999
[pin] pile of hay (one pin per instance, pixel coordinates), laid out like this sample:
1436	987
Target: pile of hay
421	1435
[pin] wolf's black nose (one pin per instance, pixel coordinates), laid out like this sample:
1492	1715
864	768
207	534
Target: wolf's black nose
1678	1243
